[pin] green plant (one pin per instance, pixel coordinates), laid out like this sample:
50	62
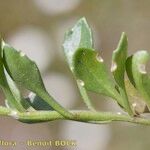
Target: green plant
90	73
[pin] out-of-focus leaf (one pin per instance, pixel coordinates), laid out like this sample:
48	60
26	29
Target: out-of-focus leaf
118	68
38	103
90	70
26	73
78	37
136	100
140	76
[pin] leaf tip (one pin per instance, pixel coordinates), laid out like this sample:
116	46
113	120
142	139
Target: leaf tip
83	19
83	22
122	42
124	36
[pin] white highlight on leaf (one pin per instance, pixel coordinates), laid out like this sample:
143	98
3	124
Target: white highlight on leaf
142	69
80	82
22	54
113	66
71	68
99	58
134	105
119	113
14	114
3	43
31	96
6	103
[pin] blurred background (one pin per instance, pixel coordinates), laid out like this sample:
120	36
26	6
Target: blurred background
37	28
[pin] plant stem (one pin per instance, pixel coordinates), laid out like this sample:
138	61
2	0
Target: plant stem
4	111
81	116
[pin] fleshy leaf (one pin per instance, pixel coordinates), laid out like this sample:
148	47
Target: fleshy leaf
92	73
118	68
38	103
26	73
140	76
78	37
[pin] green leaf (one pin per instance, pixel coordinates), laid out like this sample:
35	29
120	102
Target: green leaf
92	73
118	68
16	93
140	76
136	100
129	69
79	36
22	69
10	99
37	102
2	75
26	73
118	60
